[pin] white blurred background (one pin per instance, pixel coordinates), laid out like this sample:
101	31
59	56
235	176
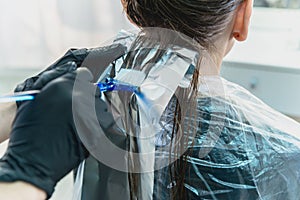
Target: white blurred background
34	33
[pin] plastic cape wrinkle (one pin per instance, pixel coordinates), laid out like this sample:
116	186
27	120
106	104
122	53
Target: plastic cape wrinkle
258	149
255	155
276	169
77	193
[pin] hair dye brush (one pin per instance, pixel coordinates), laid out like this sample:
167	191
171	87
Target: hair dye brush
126	80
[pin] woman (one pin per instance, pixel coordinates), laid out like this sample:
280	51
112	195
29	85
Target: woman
226	143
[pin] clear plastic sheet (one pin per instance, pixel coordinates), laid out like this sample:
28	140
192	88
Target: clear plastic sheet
243	149
77	192
235	146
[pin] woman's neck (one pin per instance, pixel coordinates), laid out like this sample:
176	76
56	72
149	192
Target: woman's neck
210	64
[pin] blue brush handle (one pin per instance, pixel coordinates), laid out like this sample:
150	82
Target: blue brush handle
19	96
13	98
115	85
110	84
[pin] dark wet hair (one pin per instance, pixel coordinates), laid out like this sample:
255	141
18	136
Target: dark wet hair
198	19
201	20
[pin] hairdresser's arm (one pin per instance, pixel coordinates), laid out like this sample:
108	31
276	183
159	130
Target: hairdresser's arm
21	191
7	115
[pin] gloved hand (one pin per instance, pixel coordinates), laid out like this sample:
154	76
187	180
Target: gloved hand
90	58
38	82
44	145
73	56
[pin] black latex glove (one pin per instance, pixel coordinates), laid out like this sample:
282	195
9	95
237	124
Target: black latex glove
90	58
38	82
44	145
73	56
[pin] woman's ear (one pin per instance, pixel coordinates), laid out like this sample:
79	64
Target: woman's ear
242	20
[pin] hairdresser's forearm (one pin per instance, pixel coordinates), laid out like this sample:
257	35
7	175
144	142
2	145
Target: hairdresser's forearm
7	115
20	191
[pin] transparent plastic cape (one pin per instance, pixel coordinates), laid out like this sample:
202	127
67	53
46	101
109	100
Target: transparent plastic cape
220	142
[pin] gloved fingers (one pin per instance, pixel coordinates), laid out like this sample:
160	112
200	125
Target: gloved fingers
54	73
84	81
102	57
76	55
26	85
84	74
98	92
111	53
104	116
